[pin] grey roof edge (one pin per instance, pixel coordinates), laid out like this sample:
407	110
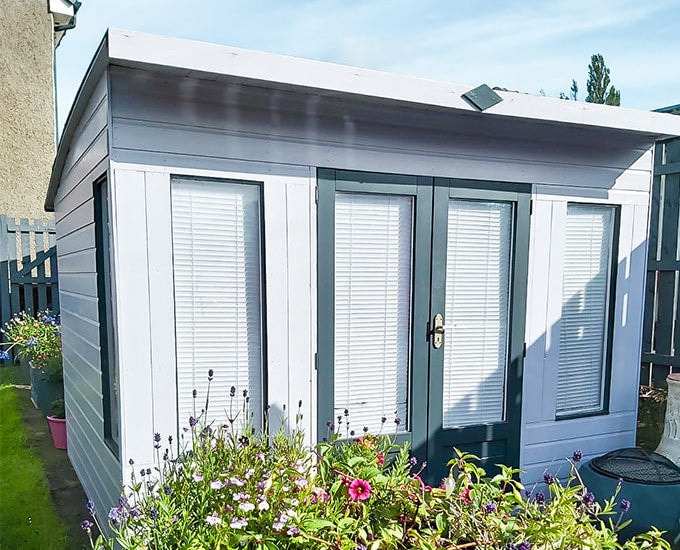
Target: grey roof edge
670	109
94	71
198	59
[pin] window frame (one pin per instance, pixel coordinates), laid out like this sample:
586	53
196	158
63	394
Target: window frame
607	345
105	308
259	185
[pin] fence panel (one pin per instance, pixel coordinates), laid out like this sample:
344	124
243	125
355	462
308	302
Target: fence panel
661	331
28	267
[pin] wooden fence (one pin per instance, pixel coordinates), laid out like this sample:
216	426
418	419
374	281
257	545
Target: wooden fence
661	332
28	267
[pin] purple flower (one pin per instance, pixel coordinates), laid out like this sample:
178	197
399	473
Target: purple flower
213	519
210	375
383	420
157	437
292	531
397	421
114	515
122	501
148	471
194	393
588	499
413	460
625	505
539	498
4	356
90	507
131	462
548	478
192	421
232	391
489	507
153	514
167	490
578	455
31	342
526	545
86	525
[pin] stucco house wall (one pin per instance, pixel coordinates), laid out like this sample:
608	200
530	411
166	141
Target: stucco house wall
27	139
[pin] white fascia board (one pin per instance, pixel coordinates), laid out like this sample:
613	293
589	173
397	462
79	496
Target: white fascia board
61	8
200	59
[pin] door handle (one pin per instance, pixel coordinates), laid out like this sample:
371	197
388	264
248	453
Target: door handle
438	329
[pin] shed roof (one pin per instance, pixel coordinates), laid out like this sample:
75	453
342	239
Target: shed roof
188	58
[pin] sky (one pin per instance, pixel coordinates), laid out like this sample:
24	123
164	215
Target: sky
530	46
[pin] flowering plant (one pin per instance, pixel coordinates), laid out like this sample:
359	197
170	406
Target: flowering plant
236	487
37	338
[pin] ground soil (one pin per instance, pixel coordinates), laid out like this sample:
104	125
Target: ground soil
67	494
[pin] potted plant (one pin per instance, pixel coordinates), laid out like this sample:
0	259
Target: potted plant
38	340
57	423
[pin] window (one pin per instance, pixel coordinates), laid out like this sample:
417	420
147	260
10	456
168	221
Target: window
109	368
217	251
373	262
587	309
478	267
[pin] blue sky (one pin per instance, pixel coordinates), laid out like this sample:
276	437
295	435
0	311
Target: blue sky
527	46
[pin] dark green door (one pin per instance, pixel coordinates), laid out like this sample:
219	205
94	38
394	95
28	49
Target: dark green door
480	242
421	287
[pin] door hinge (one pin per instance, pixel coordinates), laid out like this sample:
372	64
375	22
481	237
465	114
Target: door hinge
316	194
531	207
524	350
316	361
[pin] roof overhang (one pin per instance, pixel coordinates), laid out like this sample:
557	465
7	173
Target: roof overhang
187	58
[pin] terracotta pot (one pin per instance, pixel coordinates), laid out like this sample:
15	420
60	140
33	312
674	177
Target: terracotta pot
58	431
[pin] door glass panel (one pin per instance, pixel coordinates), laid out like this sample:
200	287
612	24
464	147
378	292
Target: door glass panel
478	259
373	265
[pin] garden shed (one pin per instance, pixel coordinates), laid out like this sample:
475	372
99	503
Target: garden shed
468	265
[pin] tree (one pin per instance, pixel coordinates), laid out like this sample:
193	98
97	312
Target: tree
573	91
599	90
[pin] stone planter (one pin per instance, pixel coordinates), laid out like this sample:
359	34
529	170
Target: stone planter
44	391
670	440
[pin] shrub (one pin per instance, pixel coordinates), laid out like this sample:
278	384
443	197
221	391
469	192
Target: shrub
37	338
243	488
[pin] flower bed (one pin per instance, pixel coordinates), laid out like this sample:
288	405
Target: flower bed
239	488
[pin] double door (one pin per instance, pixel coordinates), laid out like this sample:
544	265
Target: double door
421	309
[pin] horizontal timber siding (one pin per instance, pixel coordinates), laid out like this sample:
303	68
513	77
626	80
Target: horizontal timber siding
98	469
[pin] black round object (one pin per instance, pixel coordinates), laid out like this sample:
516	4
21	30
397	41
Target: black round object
638	466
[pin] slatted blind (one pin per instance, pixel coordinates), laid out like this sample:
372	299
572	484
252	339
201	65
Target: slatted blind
585	305
373	261
476	316
218	288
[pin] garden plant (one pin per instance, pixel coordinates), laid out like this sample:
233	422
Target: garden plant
235	487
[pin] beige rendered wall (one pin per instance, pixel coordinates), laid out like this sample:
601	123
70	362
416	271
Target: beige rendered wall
26	107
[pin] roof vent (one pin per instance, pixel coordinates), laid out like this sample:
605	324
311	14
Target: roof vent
482	97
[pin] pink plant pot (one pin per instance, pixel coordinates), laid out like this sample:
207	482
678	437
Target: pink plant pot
58	431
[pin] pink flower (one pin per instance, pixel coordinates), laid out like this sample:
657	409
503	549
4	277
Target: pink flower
359	489
381	458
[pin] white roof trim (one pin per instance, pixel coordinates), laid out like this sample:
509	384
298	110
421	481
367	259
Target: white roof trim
135	48
205	60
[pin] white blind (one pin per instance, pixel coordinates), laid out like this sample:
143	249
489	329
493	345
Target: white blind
216	257
585	305
373	257
476	314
